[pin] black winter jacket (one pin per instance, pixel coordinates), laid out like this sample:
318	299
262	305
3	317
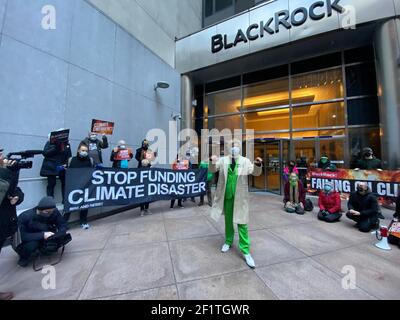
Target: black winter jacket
33	226
100	144
53	157
367	204
8	212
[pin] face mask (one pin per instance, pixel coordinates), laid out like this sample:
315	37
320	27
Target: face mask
122	147
324	160
83	154
293	182
93	138
327	189
235	151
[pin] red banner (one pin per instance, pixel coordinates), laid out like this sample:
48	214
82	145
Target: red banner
385	184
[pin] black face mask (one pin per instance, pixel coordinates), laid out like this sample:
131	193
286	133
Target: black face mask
145	146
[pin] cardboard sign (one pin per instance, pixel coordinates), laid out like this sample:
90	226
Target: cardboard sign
102	127
59	137
182	165
395	229
123	155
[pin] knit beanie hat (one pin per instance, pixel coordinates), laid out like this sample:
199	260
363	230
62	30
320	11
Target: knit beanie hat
47	203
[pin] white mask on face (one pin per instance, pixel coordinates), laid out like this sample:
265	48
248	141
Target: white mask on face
122	147
235	151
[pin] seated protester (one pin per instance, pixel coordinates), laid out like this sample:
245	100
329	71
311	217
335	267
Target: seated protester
396	218
369	161
41	228
364	209
295	195
290	169
325	164
82	160
329	204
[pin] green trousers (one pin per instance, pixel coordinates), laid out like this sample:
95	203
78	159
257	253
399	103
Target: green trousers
244	240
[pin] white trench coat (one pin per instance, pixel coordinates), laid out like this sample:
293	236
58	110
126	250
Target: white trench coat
241	206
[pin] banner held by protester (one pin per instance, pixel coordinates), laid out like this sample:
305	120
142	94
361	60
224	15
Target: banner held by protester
87	189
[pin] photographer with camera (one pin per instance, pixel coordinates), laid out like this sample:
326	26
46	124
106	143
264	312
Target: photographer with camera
10	197
56	155
43	230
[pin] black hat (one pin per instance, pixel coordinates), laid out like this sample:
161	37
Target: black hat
47	203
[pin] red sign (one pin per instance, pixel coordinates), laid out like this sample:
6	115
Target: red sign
123	155
102	127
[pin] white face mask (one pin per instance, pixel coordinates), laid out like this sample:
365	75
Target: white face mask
235	151
122	147
93	137
83	154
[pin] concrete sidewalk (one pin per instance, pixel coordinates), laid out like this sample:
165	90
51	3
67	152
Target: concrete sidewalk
175	254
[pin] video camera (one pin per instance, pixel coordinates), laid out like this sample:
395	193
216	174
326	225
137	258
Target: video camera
20	157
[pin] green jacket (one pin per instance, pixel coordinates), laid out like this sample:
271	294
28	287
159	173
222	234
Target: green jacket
210	175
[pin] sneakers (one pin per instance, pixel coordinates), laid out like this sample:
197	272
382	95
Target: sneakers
250	261
85	226
225	248
142	213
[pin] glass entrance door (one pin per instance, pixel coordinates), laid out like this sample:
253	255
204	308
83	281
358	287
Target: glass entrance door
270	180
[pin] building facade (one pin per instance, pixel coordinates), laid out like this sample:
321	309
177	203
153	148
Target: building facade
89	67
311	78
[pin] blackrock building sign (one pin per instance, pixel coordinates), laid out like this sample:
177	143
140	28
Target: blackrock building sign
281	19
276	23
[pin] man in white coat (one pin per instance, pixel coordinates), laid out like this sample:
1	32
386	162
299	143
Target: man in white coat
232	196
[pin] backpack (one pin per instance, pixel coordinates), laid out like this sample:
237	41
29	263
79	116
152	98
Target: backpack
309	205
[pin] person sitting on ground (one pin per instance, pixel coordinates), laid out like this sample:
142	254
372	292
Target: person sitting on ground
41	227
295	195
288	170
364	208
329	204
396	218
369	161
325	164
82	160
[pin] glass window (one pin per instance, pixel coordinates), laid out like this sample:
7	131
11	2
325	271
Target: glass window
221	123
208	7
334	149
363	111
305	148
360	138
269	94
222	4
322	62
273	135
359	55
223	102
270	120
242	5
317	133
318	86
319	116
266	74
361	80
